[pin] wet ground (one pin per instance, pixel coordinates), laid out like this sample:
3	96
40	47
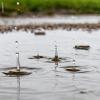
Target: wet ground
49	81
88	23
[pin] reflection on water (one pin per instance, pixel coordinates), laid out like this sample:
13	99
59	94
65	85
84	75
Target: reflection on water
50	80
56	65
18	88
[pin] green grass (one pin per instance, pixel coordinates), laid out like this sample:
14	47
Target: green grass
52	6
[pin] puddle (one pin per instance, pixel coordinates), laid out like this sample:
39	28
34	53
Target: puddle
50	81
53	19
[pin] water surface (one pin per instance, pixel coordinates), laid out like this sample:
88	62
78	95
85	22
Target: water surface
48	83
53	20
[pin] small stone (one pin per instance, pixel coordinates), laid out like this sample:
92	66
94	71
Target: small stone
73	69
82	47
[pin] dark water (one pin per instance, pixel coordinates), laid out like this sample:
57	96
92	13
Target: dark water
46	82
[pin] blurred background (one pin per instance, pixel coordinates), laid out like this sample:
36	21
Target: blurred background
48	7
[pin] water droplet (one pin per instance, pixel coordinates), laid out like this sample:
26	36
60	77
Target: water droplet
18	3
15	28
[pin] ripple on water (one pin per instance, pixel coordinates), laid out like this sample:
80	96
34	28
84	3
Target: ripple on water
48	81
